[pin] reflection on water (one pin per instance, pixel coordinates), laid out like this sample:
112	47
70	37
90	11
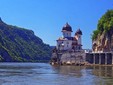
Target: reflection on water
45	74
70	70
103	71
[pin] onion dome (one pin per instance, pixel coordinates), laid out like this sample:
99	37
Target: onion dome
67	27
78	32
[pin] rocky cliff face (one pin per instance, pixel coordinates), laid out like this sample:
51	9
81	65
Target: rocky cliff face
19	45
103	42
102	37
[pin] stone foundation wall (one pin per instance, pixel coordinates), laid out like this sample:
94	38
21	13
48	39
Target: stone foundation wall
68	58
100	58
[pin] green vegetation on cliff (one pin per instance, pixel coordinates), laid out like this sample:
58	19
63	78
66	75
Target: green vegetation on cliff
20	45
105	24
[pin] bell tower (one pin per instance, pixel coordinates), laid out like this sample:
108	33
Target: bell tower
66	30
78	35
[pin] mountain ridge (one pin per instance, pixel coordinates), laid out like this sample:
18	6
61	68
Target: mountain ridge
20	45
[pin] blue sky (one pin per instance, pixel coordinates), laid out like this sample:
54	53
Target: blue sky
47	17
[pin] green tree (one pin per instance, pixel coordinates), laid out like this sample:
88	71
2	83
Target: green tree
104	24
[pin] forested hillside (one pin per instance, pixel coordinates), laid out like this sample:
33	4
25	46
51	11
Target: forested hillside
21	45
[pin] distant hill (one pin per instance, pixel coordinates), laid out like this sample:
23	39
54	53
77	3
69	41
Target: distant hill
52	47
21	45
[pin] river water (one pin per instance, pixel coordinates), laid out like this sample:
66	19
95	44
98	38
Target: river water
45	74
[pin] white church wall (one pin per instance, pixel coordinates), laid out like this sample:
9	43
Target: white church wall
64	44
79	39
67	44
66	34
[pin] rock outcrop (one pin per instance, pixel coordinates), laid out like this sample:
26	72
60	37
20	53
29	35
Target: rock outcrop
102	38
103	43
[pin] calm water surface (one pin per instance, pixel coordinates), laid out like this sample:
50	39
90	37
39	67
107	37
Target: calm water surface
45	74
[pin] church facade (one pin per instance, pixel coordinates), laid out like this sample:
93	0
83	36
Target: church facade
67	42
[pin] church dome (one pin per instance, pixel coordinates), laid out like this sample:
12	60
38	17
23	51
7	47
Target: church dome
67	27
78	32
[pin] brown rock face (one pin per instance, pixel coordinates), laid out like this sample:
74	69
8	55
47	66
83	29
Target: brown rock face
104	42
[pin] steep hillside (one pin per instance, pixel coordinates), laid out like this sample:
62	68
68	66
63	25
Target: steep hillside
19	44
103	37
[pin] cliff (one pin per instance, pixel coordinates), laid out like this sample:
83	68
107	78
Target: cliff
20	45
102	38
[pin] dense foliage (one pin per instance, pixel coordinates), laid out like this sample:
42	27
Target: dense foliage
104	24
19	44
